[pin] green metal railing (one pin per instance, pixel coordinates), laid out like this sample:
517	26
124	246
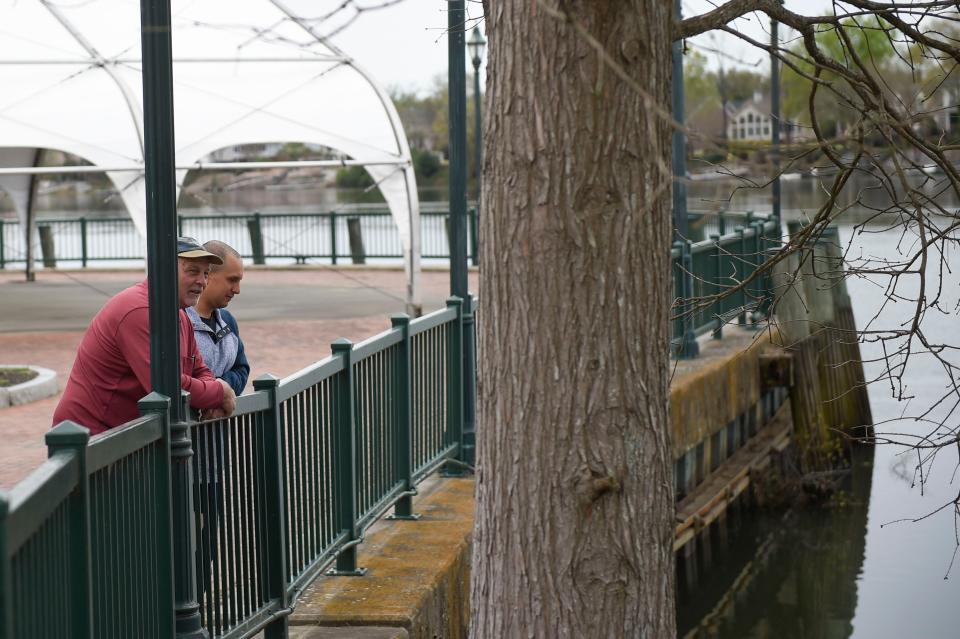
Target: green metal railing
713	267
296	237
85	540
281	490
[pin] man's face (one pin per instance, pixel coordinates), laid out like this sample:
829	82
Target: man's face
224	283
193	279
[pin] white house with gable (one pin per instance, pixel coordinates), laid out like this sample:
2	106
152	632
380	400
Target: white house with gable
750	121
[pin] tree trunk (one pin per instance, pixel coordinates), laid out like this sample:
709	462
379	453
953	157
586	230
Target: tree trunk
574	487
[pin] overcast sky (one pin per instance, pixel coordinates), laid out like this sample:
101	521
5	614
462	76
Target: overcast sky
404	45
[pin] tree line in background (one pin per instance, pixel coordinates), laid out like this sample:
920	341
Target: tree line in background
923	89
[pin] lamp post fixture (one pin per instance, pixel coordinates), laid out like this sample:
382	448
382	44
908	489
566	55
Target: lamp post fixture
475	46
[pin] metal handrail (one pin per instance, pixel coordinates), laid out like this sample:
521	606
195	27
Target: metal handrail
710	266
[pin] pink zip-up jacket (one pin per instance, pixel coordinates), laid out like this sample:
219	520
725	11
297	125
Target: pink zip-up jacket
112	370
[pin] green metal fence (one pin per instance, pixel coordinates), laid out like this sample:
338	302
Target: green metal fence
85	540
297	237
716	266
281	490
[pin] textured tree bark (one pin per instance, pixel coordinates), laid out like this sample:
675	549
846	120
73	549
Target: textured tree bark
574	487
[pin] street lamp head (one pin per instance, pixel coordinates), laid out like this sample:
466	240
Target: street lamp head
475	46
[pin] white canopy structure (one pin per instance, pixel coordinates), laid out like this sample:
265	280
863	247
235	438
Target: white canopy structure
245	72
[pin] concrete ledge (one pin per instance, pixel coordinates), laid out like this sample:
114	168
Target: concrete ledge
709	392
418	573
40	387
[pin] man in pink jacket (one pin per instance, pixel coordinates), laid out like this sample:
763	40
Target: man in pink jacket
112	370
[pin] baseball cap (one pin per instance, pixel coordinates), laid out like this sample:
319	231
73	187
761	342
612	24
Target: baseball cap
189	247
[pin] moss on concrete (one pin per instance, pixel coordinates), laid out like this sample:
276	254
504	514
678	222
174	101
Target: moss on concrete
418	572
708	393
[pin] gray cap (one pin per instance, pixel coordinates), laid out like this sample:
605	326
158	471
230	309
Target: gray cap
190	248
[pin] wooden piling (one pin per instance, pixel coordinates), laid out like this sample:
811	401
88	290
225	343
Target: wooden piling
814	318
256	239
357	252
47	248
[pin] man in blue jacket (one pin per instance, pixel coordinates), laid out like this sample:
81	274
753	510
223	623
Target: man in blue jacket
218	337
218	340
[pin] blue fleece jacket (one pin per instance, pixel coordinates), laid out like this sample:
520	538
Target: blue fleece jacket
224	355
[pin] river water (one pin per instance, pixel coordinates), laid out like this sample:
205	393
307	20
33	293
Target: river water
845	570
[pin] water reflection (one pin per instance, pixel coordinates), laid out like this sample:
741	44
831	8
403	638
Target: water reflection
786	576
849	571
802	197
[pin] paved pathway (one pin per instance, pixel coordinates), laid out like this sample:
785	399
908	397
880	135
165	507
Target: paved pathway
287	320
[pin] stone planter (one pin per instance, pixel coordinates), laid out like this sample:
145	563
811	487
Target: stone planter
40	387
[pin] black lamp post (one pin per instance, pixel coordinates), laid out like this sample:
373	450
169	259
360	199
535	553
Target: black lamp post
475	46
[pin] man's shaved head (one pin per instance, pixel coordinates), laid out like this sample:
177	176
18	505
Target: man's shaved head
221	250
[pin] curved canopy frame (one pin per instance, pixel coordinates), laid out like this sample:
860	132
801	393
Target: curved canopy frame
245	72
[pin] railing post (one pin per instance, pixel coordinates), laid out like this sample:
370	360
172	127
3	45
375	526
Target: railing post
6	587
346	464
676	272
717	282
186	606
474	240
722	222
333	238
158	404
256	239
689	348
276	506
755	261
455	385
71	439
469	346
404	444
83	242
3	263
742	269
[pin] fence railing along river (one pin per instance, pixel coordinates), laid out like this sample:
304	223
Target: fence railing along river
297	237
284	487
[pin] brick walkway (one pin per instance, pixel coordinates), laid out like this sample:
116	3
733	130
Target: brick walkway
277	341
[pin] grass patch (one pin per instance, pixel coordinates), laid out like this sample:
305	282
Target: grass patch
14	376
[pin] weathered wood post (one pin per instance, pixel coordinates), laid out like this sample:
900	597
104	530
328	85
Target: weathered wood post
333	237
357	252
256	239
83	242
47	248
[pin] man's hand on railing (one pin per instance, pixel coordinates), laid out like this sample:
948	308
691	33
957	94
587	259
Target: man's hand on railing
229	400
